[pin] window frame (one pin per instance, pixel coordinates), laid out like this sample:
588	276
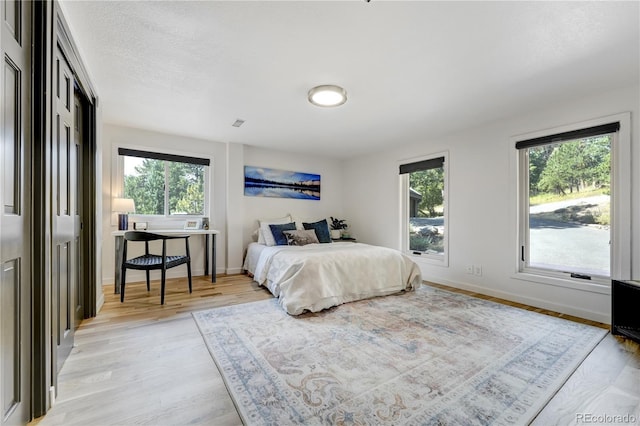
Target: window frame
117	183
432	259
620	230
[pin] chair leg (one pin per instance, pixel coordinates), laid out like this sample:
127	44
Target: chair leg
122	281
162	285
148	286
189	273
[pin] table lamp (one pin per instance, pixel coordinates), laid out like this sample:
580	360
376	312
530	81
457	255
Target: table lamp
123	206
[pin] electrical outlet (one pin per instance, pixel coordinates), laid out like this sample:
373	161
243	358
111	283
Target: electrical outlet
477	270
469	269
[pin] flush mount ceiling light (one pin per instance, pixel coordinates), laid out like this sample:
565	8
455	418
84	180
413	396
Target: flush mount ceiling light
327	95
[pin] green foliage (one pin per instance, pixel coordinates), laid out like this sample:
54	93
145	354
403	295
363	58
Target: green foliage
570	166
430	184
186	188
147	187
544	198
538	158
569	170
426	243
338	224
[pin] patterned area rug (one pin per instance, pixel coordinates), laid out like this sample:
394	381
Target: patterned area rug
428	357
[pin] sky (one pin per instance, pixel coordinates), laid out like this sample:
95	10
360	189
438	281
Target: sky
282	176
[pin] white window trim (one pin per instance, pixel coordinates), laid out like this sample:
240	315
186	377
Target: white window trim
430	259
620	209
117	184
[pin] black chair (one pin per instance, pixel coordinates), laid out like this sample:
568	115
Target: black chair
149	262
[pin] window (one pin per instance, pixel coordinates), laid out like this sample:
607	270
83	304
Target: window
425	208
566	185
164	184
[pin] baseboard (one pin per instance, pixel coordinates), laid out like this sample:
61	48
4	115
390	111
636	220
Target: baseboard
531	301
100	301
234	271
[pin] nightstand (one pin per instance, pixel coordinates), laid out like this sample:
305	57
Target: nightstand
352	240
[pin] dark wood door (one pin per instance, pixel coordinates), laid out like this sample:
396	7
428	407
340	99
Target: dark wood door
65	220
15	213
77	211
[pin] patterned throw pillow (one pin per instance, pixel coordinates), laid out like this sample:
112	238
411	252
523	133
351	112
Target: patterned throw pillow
277	229
322	230
301	238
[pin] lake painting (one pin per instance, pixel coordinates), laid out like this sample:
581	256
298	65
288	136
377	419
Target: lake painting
263	182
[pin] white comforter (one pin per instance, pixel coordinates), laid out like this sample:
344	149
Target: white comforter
318	276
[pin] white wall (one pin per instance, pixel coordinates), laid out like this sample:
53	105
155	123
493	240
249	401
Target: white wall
366	191
115	136
331	188
233	214
482	203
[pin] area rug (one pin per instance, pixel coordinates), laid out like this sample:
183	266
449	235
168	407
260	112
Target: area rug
429	357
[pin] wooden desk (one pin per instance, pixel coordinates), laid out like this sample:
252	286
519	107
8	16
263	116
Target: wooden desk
207	233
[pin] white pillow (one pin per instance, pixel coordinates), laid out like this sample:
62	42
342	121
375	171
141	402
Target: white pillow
265	236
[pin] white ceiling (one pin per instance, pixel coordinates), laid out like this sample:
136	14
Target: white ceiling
412	70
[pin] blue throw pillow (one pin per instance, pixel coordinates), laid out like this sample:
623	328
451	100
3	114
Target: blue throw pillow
322	230
276	230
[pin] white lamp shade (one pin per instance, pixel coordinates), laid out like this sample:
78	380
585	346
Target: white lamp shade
123	205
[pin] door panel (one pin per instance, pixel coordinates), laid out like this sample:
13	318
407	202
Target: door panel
10	296
65	223
15	232
78	257
11	145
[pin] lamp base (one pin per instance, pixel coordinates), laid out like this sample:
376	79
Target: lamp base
123	221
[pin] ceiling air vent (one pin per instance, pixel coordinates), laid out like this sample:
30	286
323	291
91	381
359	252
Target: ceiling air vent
238	123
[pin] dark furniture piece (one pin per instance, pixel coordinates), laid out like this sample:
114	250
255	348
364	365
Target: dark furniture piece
149	262
625	315
206	233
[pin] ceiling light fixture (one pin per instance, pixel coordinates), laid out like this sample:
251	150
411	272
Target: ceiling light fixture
327	95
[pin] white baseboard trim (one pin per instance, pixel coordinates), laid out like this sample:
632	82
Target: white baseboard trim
100	301
531	301
234	271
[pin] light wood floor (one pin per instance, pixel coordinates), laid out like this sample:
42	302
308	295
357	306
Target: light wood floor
143	363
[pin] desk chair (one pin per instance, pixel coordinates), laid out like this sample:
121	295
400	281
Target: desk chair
149	262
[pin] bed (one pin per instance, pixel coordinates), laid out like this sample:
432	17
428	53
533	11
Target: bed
318	276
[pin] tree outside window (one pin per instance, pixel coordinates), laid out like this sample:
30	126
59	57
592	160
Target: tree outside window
427	217
161	187
568	227
425	200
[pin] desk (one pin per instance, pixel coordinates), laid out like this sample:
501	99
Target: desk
207	233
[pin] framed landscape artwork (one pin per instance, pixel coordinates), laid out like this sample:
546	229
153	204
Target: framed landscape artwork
264	182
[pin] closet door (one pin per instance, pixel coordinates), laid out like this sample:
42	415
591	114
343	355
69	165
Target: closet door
15	213
65	255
